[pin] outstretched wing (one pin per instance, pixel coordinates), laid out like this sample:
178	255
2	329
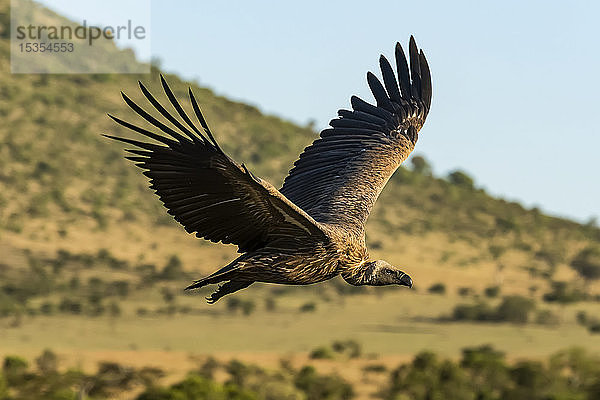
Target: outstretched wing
205	190
338	178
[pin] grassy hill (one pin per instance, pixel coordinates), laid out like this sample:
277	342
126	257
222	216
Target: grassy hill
63	186
82	235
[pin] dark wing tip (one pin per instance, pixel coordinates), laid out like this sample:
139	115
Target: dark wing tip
415	69
379	92
426	88
412	41
164	83
389	79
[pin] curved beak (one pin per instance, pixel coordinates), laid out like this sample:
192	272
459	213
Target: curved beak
406	281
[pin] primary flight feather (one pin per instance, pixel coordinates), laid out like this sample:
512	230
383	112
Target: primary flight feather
313	228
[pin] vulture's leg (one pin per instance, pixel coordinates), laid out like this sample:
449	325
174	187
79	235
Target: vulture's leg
228	288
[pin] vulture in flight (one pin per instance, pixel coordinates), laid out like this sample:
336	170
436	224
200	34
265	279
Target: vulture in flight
313	228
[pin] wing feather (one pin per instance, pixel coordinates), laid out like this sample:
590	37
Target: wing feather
338	178
204	189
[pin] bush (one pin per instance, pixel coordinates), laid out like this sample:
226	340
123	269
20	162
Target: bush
14	369
492	291
515	309
460	178
581	318
47	362
563	292
173	270
70	306
142	312
321	353
473	312
208	368
234	304
118	288
270	304
437	288
420	165
374	368
318	387
465	291
308	307
167	295
547	317
427	377
349	347
594	327
47	308
114	310
196	387
587	263
248	307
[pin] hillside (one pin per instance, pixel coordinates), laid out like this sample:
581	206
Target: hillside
63	186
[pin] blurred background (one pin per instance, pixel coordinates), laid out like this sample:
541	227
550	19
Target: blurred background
494	215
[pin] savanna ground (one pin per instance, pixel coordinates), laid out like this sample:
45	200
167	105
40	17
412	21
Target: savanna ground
154	323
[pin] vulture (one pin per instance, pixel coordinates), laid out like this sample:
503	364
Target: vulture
312	228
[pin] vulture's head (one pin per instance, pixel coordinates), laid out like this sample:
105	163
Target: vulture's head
383	273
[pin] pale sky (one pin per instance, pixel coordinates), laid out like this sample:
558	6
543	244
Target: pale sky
515	84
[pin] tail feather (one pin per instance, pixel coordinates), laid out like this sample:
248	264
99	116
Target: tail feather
226	273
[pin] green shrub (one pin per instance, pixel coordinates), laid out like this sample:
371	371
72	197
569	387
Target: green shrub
437	288
581	317
173	270
47	308
460	178
563	292
14	369
270	304
319	387
420	165
208	368
515	309
47	362
473	312
114	310
374	368
142	312
594	327
587	263
351	348
547	317
321	353
70	306
248	307
311	306
492	291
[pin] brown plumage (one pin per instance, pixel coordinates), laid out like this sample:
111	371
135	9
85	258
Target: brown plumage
313	228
